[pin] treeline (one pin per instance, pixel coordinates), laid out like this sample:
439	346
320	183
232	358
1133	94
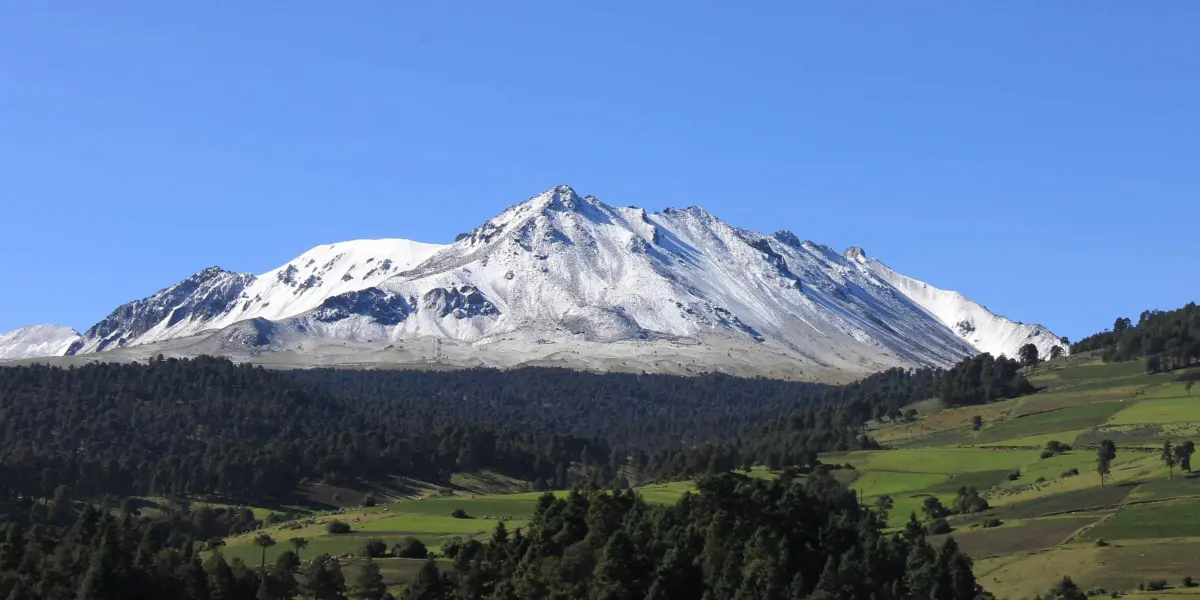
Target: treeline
108	556
1167	340
208	426
649	412
101	554
981	379
738	538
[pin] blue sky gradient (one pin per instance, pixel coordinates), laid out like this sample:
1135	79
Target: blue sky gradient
1041	158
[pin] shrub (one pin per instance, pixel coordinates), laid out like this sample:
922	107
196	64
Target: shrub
1041	480
337	497
369	500
1101	542
1070	473
337	527
410	547
1188	582
1015	475
939	526
1045	454
993	522
1155	585
375	548
451	547
460	514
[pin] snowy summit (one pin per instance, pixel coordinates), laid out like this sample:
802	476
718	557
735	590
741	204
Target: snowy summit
568	280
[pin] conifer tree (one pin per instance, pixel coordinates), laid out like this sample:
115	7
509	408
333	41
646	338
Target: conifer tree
220	577
430	584
1183	455
1104	457
263	540
369	585
1167	456
323	579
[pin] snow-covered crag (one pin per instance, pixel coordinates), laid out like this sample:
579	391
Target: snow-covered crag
575	275
36	340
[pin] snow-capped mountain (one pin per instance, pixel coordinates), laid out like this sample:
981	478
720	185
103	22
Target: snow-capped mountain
215	298
36	340
576	275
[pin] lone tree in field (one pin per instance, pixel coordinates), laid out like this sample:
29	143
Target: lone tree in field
1168	458
1104	458
1029	355
1056	352
264	540
1188	386
299	544
1183	455
977	422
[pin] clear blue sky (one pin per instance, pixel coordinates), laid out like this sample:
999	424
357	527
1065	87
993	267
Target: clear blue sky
1040	157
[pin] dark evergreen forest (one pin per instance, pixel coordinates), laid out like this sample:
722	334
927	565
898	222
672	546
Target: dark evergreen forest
737	538
76	438
1167	340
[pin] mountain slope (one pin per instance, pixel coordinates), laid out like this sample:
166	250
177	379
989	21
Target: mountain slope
567	279
215	298
983	329
36	340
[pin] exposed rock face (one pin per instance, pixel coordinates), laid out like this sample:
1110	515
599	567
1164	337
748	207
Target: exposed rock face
200	297
372	303
462	302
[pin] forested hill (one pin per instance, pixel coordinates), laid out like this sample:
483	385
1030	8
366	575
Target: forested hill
1166	339
209	426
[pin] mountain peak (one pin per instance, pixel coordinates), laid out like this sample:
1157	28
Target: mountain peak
36	340
855	254
567	269
563	198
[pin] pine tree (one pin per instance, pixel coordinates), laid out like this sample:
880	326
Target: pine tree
615	569
369	584
1168	458
298	543
430	584
323	579
1029	355
1104	458
220	577
263	540
102	581
1183	454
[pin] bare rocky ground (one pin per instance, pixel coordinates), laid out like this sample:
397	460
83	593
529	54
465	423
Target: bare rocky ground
675	356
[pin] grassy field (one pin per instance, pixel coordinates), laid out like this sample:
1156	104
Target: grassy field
427	519
1162	519
1053	509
